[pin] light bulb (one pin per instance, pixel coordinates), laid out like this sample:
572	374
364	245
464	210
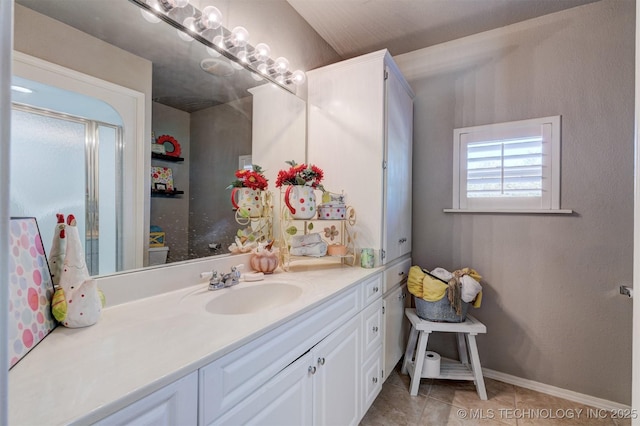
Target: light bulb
211	18
261	52
148	16
179	3
280	79
242	55
298	77
189	23
219	41
281	65
170	4
256	76
239	36
263	69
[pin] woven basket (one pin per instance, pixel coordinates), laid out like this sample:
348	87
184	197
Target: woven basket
440	311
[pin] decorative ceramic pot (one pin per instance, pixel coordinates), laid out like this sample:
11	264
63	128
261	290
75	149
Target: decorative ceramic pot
301	201
265	261
248	199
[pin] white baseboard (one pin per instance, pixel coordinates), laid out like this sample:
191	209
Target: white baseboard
555	391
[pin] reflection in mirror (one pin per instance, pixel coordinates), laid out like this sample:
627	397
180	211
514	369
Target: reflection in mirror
200	101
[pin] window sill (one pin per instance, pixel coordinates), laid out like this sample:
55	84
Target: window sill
507	211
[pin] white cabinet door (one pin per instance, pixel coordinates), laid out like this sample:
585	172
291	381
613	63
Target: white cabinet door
395	327
358	120
175	404
371	380
286	400
398	175
336	388
371	364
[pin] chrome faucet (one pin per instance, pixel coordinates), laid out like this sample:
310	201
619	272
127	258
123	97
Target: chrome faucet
226	280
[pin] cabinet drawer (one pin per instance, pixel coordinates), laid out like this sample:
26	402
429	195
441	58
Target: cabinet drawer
230	379
395	274
371	290
372	327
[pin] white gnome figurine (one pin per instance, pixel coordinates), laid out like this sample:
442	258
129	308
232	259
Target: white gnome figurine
58	249
78	302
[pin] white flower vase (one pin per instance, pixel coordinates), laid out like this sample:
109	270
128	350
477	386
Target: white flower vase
248	199
301	201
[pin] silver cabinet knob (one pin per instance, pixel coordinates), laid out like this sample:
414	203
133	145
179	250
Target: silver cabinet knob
312	369
374	380
321	361
375	329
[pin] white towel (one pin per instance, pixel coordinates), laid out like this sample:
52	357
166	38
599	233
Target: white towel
442	273
305	240
470	288
315	250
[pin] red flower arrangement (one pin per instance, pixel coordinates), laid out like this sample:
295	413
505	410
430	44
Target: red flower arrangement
301	174
253	179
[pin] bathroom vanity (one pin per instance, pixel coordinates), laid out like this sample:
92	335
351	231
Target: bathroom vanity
296	348
307	347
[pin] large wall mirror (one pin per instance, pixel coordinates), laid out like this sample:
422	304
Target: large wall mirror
211	113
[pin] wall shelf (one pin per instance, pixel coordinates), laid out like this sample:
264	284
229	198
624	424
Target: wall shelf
164	157
332	231
164	193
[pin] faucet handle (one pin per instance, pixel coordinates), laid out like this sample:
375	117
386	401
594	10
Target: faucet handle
216	282
235	270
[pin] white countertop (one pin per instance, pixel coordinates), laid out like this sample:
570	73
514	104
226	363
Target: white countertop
82	375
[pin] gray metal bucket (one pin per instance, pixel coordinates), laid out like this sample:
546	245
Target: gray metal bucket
440	311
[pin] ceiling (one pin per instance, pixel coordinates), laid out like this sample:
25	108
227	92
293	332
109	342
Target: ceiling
355	27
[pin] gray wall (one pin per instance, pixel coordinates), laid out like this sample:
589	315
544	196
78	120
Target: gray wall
550	282
219	135
172	213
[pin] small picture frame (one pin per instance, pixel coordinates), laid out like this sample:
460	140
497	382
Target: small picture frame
158	149
162	175
160	186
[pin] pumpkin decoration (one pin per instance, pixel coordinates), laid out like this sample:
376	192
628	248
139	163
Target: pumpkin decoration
264	258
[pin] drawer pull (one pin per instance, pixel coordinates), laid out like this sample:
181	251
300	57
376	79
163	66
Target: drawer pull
321	361
312	369
375	329
401	273
375	289
374	380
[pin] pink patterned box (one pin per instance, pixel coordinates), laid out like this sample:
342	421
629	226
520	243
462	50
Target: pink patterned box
332	211
30	289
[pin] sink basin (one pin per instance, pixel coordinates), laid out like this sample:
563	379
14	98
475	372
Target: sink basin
249	300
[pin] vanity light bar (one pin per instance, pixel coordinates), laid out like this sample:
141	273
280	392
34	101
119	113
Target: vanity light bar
206	27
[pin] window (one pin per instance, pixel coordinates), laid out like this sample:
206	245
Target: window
511	166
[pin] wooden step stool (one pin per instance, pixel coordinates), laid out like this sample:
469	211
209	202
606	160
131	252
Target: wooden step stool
466	336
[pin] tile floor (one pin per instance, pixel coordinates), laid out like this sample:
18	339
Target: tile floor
447	402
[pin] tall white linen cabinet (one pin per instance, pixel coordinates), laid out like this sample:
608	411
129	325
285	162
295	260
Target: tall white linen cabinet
360	129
